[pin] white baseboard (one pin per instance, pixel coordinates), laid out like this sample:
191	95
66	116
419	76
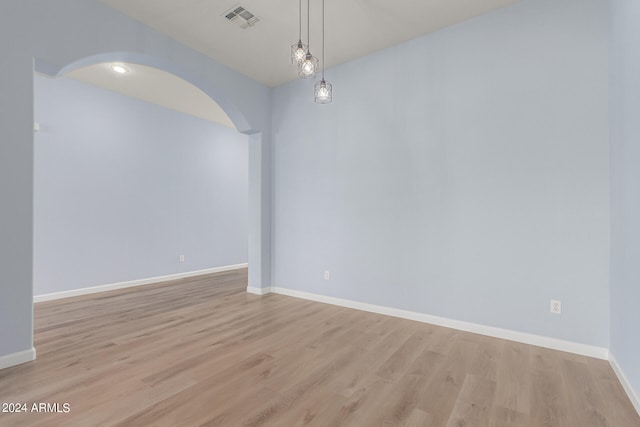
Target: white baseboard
633	396
258	291
19	358
538	340
132	283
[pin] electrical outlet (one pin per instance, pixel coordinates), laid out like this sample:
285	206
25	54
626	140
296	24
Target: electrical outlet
327	275
181	258
556	307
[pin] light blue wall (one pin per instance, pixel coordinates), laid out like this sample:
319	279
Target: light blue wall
58	34
625	189
123	187
463	174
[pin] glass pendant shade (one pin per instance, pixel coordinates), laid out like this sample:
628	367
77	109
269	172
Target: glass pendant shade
323	92
298	52
308	69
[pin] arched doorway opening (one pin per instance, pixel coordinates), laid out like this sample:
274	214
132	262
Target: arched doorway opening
146	181
258	245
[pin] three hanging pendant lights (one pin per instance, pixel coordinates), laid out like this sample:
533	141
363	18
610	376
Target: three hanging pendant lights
307	63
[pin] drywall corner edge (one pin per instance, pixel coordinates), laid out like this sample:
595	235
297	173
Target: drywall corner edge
258	291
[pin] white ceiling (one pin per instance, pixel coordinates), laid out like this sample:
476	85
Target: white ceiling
354	28
155	86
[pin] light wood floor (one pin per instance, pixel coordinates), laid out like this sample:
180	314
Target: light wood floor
203	352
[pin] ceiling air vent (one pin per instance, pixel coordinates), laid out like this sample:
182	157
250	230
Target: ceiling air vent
241	16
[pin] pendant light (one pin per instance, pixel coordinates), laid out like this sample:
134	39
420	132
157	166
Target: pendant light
322	91
308	69
299	50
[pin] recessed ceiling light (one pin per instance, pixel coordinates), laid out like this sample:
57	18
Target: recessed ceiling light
119	68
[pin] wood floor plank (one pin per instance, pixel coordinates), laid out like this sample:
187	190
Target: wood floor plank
419	418
503	417
202	352
584	397
353	412
514	378
473	406
439	396
488	358
549	406
399	404
400	360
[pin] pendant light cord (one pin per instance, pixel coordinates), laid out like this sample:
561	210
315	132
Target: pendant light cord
300	21
308	26
322	40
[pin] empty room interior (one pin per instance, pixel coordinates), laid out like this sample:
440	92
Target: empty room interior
320	212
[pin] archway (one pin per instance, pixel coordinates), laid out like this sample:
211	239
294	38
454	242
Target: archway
238	118
259	190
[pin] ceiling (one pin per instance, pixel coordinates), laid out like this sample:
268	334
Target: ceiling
354	28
